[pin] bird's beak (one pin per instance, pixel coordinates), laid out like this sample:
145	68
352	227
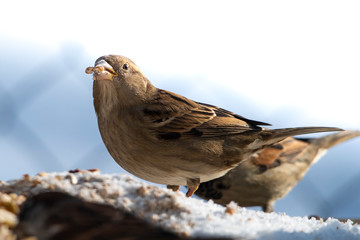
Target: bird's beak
102	71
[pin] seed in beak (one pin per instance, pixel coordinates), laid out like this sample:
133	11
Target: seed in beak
97	69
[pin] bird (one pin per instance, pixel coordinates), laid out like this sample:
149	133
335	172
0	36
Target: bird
166	138
271	173
58	215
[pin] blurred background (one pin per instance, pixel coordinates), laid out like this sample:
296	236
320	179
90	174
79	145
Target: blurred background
287	63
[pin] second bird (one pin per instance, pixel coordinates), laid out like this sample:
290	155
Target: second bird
272	172
165	138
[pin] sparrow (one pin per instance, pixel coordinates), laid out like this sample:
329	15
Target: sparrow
165	138
57	215
271	173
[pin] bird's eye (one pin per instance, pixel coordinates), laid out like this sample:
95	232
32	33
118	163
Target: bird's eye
126	66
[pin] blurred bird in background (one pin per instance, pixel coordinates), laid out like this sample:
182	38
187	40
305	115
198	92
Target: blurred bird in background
272	172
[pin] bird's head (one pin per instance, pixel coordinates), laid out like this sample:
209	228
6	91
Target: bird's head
114	74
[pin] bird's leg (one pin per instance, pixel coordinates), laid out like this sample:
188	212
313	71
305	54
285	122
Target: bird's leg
268	207
175	188
193	185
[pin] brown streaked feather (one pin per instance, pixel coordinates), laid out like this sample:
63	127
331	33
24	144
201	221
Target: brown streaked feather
291	148
188	120
224	126
266	156
284	151
220	112
172	114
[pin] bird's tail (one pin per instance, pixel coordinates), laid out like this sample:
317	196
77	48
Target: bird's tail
275	135
331	140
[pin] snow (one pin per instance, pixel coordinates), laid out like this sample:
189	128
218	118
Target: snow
185	216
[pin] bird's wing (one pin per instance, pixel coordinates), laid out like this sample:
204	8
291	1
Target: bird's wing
225	113
173	116
292	148
282	152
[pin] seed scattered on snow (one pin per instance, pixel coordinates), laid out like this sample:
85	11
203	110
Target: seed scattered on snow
231	208
73	179
173	211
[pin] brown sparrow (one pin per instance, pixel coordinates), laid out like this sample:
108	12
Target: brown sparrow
270	173
165	138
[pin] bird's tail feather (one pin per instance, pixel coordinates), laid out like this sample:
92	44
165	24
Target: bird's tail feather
276	135
331	140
